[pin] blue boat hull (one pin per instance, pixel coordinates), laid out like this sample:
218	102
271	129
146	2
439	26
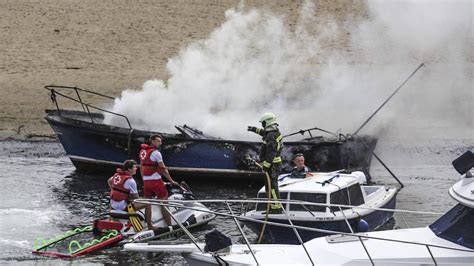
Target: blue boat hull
96	147
283	235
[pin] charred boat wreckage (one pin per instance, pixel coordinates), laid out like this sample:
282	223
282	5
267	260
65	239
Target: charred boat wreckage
94	146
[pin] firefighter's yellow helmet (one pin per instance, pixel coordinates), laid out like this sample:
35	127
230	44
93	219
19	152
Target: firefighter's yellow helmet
268	119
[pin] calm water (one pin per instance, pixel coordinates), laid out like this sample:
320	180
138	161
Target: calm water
43	196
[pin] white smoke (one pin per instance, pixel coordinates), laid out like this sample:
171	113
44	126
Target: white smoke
255	62
437	102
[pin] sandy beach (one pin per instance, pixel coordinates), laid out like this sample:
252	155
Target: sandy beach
111	46
105	46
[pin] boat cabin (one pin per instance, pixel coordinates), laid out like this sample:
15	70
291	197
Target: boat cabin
323	188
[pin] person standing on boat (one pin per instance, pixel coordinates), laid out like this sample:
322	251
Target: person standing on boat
123	189
153	169
270	155
300	170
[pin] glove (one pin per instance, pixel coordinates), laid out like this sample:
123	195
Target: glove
266	166
251	129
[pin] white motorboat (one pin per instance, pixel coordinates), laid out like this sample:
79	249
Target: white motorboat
448	241
362	210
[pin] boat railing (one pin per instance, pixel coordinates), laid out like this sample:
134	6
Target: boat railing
339	136
238	217
85	106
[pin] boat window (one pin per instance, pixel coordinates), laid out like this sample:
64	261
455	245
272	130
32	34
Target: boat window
369	189
456	226
339	197
310	197
355	195
263	195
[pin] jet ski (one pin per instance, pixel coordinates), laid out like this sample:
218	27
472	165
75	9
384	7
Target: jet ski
120	227
134	222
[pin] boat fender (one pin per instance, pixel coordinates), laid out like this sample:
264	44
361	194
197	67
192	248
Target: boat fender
216	242
362	226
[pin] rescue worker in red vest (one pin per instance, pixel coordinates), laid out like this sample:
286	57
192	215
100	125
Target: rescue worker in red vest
153	169
270	155
123	189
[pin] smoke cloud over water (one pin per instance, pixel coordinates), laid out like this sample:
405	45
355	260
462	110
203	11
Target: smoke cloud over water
255	63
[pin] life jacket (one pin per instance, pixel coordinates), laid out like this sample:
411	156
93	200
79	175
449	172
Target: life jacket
147	166
119	192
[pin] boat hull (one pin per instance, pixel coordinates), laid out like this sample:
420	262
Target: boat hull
94	147
285	235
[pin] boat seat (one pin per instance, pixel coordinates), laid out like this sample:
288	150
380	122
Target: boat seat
124	215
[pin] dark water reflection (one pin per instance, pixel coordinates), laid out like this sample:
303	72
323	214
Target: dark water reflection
42	196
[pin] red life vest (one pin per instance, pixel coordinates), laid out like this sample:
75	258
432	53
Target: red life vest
119	192
147	166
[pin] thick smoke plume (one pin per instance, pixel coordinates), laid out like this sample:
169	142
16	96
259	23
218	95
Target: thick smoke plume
255	63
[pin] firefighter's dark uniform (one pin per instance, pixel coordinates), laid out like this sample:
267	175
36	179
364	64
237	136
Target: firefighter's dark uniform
270	156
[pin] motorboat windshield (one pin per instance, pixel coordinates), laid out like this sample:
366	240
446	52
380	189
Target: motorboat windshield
457	226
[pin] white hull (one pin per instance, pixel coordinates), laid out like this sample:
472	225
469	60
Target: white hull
447	241
352	252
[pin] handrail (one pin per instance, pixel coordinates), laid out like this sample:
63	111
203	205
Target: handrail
347	137
178	203
298	236
302	131
285	201
242	233
78	89
186	231
85	106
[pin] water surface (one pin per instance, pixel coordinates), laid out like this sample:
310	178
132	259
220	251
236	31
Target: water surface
43	196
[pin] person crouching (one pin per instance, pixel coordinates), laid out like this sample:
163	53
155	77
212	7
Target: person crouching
123	190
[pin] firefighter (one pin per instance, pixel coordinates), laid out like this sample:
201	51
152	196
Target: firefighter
270	156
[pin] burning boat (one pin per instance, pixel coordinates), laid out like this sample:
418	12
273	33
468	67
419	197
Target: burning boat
94	146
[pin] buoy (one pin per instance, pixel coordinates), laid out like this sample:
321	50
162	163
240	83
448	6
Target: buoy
362	226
